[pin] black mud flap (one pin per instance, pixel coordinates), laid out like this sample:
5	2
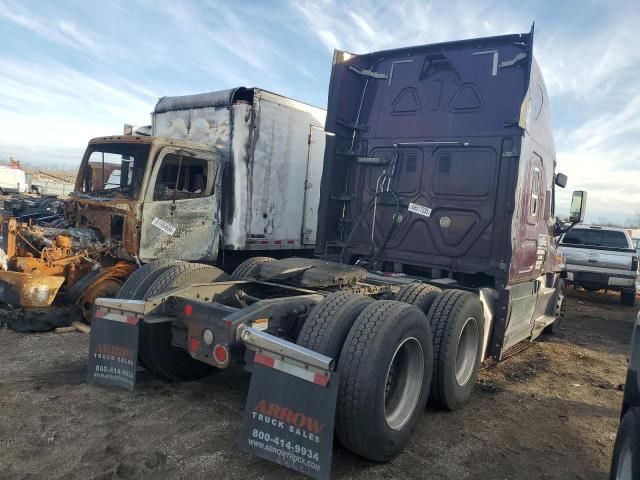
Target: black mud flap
289	420
113	352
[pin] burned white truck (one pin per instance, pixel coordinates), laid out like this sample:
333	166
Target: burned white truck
436	251
224	174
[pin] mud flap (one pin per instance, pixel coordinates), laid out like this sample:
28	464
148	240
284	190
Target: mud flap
289	419
113	350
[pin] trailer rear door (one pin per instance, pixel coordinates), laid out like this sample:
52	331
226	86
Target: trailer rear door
312	184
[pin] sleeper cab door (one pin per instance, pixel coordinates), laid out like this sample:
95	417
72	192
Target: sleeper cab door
181	210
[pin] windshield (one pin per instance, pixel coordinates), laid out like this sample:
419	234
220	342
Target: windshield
115	169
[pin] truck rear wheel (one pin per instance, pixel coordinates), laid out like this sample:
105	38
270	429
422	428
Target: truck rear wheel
250	268
139	281
184	274
457	323
421	295
385	371
628	298
329	322
156	351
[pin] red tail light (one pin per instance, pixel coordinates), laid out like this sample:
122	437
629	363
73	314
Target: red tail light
188	310
221	354
193	345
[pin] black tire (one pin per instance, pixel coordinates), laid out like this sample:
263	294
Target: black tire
626	450
329	322
250	268
73	293
155	348
559	307
136	286
385	331
184	274
453	312
422	295
628	298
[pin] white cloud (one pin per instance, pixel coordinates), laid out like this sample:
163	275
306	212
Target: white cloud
63	32
366	26
45	104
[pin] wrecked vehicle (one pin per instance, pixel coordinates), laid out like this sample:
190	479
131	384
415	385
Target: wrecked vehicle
234	171
436	251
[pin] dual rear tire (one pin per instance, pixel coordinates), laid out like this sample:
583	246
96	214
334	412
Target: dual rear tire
391	358
457	324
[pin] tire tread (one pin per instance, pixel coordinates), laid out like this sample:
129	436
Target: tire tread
356	368
441	315
422	295
249	267
316	333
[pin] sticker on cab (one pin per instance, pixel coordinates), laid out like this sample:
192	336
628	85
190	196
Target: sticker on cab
420	209
164	226
260	324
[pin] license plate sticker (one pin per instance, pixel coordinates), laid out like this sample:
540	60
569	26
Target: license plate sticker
420	209
164	226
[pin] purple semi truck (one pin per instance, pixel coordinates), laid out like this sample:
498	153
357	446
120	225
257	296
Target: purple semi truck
436	250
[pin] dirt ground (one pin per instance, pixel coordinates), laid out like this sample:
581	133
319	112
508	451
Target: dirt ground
549	412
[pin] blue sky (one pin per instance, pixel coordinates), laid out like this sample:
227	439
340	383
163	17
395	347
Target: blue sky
72	70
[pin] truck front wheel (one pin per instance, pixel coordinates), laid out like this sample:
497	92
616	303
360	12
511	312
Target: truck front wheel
385	371
558	309
457	323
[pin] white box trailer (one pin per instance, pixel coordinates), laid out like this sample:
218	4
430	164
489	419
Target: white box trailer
274	150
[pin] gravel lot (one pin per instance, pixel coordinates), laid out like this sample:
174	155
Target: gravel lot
549	412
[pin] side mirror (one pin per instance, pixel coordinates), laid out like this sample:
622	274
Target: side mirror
578	206
561	180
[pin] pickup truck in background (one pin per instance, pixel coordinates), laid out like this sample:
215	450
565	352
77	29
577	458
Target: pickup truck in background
601	258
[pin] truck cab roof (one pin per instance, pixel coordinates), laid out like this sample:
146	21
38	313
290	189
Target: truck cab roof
155	140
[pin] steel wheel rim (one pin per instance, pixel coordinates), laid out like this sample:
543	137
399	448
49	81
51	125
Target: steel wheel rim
467	352
625	465
403	383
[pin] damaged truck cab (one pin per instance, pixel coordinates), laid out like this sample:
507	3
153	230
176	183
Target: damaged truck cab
139	191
